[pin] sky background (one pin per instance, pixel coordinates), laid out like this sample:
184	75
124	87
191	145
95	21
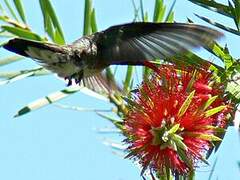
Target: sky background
58	144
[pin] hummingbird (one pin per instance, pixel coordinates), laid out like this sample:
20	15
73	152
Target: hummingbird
126	44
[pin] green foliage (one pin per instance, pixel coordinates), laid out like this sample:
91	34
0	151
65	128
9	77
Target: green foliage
51	23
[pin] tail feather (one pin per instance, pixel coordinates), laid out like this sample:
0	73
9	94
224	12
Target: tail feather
51	56
23	47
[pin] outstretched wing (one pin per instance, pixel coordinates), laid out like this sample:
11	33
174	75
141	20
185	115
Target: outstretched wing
134	43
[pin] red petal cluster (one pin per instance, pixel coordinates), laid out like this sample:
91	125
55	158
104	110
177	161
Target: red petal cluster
167	131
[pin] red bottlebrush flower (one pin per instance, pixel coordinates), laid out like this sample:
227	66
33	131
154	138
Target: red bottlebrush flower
173	119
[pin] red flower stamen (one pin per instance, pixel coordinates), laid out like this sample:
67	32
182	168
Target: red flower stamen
173	122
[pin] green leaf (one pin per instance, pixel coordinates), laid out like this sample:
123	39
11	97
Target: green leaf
221	26
146	72
10	59
22	33
184	157
146	17
191	175
186	104
58	38
208	137
214	128
20	9
48	27
235	12
117	123
47	8
35	72
159	11
213	111
209	102
213	6
56	96
87	17
174	129
142	10
191	59
178	141
4	34
11	10
221	53
213	169
93	21
170	15
234	89
128	78
19	75
170	18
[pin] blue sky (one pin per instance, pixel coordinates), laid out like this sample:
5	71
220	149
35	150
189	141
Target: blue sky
58	144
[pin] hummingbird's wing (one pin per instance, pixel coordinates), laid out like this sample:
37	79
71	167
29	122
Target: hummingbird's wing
101	84
135	43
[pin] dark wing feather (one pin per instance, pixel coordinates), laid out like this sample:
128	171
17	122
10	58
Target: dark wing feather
134	43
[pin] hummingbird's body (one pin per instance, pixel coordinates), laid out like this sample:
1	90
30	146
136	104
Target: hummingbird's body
127	44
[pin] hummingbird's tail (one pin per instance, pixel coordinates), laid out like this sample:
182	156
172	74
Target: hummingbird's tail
32	49
52	56
57	59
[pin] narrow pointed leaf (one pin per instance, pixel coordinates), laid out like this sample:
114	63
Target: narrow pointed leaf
48	9
174	129
20	9
128	78
93	22
213	169
58	38
234	89
179	143
186	104
159	11
170	15
219	51
208	137
35	72
87	17
170	18
56	96
10	59
22	33
48	27
214	111
19	77
117	123
182	154
209	102
142	10
213	6
10	10
221	26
